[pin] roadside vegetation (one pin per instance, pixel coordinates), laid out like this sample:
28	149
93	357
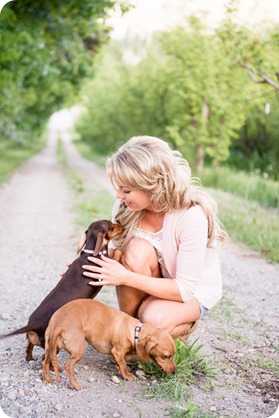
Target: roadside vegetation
13	154
87	207
212	95
47	50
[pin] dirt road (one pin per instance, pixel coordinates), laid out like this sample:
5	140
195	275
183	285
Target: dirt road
37	239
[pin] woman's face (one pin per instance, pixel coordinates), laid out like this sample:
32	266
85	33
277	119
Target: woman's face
134	199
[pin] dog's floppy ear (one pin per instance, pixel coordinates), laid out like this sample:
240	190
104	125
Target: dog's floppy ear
144	346
101	242
82	242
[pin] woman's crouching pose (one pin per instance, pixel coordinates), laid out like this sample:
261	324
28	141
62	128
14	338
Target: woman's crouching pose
169	275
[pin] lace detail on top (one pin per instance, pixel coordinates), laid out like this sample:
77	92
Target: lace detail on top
155	239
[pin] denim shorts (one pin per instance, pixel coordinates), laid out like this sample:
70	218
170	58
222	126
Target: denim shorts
203	310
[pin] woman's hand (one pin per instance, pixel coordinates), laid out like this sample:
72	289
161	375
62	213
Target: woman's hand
107	271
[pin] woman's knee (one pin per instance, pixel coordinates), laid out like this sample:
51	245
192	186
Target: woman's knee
140	256
151	314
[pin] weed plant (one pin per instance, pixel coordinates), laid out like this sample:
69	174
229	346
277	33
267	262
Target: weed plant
191	366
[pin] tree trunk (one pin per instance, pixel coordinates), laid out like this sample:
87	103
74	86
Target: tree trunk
200	158
201	150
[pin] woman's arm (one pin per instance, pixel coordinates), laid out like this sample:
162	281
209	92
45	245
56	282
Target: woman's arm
111	273
193	237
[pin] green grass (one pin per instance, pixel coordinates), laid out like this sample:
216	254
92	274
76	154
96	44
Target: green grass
94	207
88	152
189	410
250	223
250	186
88	207
191	366
12	155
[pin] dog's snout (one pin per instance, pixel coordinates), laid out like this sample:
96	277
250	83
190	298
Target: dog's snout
115	230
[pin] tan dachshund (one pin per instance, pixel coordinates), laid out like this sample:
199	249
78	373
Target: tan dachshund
109	331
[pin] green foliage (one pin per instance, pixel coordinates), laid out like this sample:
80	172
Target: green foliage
251	186
88	206
190	366
190	410
250	223
258	147
12	155
208	95
47	49
188	88
96	206
183	90
89	153
256	53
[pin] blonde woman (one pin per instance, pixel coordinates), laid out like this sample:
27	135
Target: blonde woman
169	275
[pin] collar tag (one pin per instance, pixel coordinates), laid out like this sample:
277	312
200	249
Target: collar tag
137	331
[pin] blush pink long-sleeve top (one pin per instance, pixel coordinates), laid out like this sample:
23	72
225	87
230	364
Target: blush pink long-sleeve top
188	260
194	266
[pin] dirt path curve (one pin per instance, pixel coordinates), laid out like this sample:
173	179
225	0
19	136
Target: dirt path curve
37	239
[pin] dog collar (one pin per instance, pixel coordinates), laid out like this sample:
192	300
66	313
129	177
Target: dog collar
137	331
84	250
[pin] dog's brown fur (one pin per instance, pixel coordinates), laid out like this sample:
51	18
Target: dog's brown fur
109	331
73	285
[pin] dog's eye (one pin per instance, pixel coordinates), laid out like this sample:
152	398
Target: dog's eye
167	356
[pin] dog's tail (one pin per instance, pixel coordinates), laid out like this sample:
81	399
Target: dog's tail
16	332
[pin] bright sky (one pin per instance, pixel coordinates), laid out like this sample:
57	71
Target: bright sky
151	15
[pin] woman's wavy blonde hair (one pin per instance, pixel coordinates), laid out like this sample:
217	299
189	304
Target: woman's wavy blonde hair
148	163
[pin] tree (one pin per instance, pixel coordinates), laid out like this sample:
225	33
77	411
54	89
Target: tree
183	90
47	49
208	105
257	53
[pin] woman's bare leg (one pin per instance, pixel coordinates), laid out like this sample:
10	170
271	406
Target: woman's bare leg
169	315
139	257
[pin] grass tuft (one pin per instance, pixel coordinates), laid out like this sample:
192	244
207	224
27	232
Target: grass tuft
191	366
190	410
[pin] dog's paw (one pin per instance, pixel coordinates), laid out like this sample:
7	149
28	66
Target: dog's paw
117	254
76	385
130	377
48	379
